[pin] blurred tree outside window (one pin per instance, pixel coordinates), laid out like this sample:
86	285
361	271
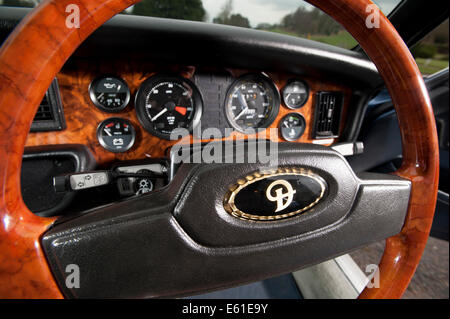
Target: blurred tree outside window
315	25
173	9
431	54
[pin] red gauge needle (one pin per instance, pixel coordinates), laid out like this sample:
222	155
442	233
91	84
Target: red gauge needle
181	110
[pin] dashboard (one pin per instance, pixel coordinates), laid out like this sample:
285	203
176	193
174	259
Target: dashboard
138	86
125	110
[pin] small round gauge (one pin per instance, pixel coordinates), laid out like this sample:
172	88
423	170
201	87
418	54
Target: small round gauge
295	94
252	102
116	134
168	106
292	126
110	94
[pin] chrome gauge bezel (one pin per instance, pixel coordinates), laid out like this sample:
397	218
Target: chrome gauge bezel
287	138
108	147
269	84
99	105
288	84
145	89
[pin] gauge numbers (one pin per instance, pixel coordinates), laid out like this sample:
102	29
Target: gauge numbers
167	106
110	94
253	102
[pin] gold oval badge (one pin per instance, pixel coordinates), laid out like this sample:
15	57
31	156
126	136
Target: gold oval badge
275	194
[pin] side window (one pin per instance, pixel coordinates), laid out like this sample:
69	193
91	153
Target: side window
431	54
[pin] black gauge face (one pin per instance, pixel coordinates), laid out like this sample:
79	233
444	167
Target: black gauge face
253	101
292	126
116	135
295	94
168	106
109	94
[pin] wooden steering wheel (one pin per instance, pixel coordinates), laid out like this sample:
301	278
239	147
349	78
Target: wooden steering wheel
40	45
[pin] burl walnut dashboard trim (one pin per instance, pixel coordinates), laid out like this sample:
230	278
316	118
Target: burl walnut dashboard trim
83	117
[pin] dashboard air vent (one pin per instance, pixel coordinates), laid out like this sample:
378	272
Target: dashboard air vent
49	116
44	112
327	115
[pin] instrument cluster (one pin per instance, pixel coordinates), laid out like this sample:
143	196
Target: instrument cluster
170	106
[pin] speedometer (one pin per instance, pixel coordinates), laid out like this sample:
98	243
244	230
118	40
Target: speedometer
252	102
168	106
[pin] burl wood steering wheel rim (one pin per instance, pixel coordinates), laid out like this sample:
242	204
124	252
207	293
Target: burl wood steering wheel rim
40	45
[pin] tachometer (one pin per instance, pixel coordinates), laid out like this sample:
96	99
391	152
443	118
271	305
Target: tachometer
252	102
167	104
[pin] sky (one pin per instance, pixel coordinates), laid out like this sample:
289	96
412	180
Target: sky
270	11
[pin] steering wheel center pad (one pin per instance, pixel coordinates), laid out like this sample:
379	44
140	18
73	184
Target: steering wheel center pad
159	244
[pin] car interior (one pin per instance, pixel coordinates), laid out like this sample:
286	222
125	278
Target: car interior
160	157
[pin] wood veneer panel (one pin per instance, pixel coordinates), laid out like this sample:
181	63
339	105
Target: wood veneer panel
82	117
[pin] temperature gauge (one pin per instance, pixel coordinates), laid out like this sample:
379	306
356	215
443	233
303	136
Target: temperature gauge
295	94
292	126
116	135
110	94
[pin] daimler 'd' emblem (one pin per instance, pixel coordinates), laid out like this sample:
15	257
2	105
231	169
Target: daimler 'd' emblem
275	194
283	200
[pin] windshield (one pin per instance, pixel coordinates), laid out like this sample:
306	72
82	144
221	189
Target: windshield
431	53
290	17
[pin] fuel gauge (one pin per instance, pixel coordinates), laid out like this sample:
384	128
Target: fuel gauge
116	134
292	126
